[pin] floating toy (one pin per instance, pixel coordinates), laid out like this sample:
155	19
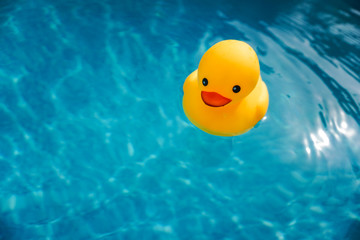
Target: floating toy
226	96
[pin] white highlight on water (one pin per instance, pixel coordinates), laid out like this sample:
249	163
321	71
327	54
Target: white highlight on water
162	228
130	148
12	202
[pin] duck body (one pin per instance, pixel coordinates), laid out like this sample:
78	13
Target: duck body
226	96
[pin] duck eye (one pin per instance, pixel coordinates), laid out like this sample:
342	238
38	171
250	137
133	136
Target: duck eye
236	89
205	82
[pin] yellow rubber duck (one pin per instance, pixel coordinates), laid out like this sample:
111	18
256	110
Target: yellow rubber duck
226	96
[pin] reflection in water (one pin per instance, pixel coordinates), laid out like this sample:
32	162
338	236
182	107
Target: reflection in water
307	147
344	129
320	140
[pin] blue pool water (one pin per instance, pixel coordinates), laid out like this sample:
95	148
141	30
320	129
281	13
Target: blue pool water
94	143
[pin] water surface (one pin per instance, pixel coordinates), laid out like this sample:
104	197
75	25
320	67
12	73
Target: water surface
94	143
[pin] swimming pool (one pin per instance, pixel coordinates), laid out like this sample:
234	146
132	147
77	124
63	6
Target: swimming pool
94	143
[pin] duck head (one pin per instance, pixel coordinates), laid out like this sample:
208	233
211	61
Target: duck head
227	73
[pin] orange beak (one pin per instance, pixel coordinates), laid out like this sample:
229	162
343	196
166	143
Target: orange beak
213	99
